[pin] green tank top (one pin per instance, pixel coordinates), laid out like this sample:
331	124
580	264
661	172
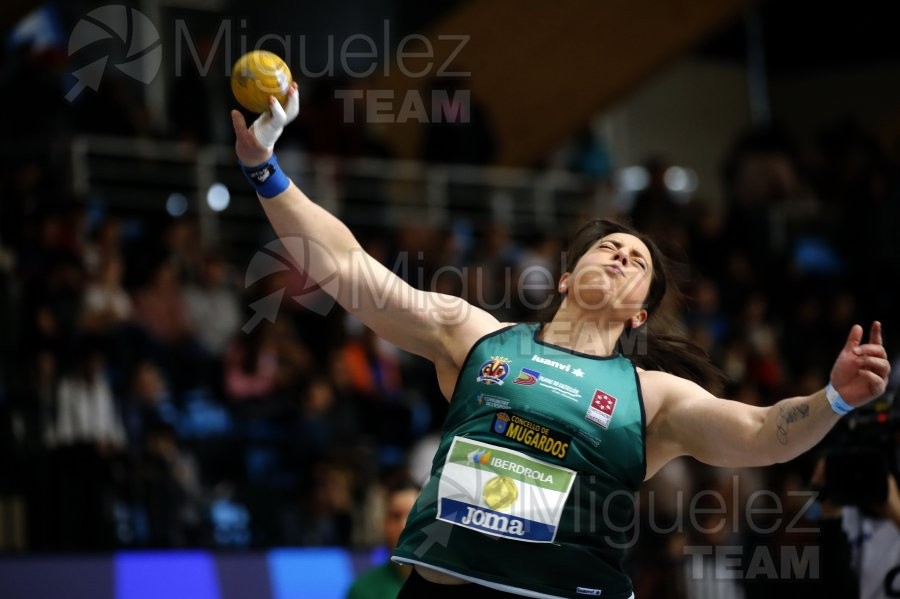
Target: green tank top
532	486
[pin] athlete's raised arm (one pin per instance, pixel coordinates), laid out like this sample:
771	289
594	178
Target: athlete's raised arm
438	327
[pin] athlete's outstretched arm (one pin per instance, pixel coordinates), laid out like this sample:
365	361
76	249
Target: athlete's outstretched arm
693	422
439	327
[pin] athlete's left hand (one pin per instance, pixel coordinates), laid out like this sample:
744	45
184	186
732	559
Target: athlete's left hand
861	370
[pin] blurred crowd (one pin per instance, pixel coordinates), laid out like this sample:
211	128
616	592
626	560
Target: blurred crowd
144	404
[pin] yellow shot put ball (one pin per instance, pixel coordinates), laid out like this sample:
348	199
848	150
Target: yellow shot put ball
500	492
257	75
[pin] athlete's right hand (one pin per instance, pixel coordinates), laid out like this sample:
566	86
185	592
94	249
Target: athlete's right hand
254	145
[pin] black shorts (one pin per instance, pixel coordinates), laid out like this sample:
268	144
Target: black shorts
417	587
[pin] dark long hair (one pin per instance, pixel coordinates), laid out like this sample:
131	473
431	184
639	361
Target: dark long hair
656	344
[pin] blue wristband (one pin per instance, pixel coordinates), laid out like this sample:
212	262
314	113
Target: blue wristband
268	178
837	402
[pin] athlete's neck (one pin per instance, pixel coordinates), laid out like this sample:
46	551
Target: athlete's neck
581	332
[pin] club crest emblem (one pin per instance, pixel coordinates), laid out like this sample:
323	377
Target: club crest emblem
493	371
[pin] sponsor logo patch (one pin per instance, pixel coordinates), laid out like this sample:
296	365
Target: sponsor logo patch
548	362
492	401
531	434
601	409
501	492
527	377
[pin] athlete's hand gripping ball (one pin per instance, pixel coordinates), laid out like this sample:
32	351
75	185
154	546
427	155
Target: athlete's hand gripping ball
255	145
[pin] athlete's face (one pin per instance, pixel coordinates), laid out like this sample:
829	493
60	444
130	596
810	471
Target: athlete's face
613	275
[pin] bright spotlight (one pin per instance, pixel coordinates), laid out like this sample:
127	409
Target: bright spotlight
218	197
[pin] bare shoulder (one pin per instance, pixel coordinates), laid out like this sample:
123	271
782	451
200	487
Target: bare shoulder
660	390
658	382
654	384
464	334
461	339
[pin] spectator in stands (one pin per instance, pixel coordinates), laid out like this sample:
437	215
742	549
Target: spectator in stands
104	246
106	303
168	337
170	490
147	404
327	510
183	240
86	435
367	369
251	365
213	305
85	409
384	581
370	366
160	308
325	423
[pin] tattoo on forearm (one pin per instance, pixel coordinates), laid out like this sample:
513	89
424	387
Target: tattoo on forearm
786	416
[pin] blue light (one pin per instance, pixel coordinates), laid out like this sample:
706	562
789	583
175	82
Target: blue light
310	573
169	574
176	205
